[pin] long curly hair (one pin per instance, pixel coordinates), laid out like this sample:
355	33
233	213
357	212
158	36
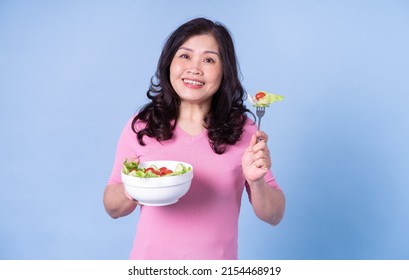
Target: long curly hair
227	116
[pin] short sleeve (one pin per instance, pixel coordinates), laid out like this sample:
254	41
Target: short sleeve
126	149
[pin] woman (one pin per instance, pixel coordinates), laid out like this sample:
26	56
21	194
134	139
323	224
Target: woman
197	115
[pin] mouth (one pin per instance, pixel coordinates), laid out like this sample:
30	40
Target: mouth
193	82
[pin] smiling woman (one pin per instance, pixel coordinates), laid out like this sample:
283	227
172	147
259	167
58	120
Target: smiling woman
197	107
227	111
72	71
196	73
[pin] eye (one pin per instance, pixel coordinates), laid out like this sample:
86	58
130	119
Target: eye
209	60
184	55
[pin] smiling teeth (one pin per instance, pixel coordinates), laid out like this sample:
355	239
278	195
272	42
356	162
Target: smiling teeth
196	83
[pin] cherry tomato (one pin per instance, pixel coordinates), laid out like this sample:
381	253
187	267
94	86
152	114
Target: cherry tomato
260	95
156	172
163	170
149	169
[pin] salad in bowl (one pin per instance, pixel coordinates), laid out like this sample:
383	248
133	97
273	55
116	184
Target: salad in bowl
157	183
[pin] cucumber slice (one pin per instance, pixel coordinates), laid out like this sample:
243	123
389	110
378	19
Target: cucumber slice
180	168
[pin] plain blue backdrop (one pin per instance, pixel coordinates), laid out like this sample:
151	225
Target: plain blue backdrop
73	72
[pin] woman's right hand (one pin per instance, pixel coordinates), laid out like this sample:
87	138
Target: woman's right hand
130	197
117	201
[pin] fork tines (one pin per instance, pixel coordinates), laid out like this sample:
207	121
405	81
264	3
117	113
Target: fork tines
260	113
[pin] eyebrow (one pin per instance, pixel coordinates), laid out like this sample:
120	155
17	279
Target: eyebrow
189	49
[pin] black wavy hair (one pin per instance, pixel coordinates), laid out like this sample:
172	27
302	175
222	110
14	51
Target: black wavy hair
227	116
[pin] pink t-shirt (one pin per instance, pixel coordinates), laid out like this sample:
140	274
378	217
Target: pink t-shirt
203	224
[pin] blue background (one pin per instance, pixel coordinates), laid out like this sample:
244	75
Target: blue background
73	72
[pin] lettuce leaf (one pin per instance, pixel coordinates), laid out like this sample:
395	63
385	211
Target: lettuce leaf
268	99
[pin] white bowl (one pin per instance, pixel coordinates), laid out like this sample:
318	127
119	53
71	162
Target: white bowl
158	191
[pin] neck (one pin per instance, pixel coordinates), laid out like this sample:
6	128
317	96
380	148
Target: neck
194	113
191	118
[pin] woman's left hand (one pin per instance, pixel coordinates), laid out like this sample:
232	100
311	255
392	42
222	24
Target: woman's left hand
256	159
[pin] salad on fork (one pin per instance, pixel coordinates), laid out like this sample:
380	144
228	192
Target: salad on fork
262	100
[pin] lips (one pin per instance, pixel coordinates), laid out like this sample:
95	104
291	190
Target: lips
193	82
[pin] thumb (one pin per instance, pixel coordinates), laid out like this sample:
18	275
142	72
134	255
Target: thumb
253	142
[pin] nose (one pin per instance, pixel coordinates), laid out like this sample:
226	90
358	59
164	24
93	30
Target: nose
194	68
194	71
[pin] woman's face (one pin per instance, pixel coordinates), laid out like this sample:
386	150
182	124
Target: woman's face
196	70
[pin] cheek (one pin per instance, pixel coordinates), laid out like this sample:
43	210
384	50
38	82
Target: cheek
173	73
176	66
219	75
171	69
217	79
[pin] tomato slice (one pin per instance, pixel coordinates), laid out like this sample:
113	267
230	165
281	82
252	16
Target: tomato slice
157	172
260	95
165	171
150	169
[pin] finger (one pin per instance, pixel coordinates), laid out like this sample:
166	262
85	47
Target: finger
262	160
253	141
262	163
261	135
261	146
133	159
261	154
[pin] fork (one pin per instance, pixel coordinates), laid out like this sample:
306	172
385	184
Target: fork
260	111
